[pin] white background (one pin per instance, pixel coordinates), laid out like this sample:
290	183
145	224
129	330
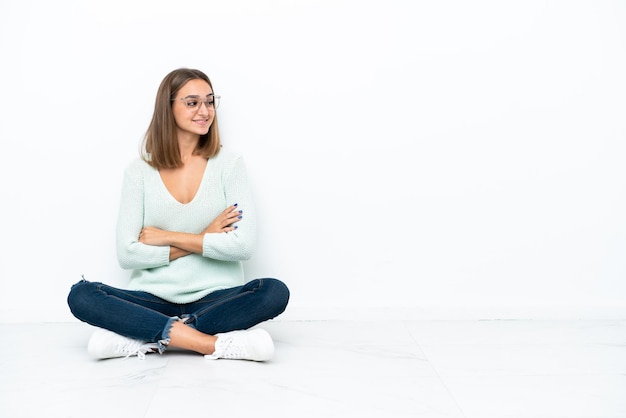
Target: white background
432	159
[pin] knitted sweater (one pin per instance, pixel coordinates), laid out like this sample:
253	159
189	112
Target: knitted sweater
145	201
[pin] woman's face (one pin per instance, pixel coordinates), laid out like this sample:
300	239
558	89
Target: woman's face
191	112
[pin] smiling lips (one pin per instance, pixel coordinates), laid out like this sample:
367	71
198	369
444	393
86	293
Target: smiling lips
201	122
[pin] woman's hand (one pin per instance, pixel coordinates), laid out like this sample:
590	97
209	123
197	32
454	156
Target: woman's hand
150	235
155	236
225	221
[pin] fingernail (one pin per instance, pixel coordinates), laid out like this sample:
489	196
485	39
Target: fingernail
240	217
240	211
236	227
235	204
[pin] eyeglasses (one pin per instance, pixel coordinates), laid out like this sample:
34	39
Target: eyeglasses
194	102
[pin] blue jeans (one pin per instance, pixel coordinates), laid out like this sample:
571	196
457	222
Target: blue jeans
143	316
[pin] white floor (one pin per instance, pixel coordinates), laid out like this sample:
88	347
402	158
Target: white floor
384	369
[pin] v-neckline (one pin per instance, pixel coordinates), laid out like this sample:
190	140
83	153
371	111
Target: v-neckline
169	193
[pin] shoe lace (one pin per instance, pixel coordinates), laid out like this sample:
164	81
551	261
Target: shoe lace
234	350
135	347
228	349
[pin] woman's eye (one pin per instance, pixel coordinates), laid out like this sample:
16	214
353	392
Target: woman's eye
192	103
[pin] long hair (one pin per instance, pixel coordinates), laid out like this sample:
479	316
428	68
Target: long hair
160	146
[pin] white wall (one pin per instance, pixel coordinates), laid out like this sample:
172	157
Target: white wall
417	159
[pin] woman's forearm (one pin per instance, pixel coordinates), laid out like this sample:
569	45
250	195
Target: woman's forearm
191	243
176	252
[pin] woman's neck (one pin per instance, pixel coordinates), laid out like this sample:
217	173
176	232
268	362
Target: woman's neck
187	145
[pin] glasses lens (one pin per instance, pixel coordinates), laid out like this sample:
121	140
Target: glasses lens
191	102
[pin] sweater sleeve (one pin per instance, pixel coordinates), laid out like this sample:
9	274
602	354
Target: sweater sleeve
239	244
131	253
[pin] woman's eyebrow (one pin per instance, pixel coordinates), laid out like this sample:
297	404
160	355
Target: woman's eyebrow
196	96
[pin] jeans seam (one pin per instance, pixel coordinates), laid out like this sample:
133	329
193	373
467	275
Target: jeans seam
224	300
133	296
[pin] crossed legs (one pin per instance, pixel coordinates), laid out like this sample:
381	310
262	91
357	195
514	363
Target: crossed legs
145	317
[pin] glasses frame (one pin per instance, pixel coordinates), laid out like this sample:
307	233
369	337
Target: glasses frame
212	100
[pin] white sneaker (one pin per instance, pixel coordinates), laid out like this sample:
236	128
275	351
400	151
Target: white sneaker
256	345
106	344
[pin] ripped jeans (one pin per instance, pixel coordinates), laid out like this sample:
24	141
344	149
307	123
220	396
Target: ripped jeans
143	316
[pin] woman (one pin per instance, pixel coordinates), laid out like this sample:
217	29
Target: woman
185	223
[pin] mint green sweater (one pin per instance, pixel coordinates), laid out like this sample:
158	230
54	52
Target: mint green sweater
145	201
